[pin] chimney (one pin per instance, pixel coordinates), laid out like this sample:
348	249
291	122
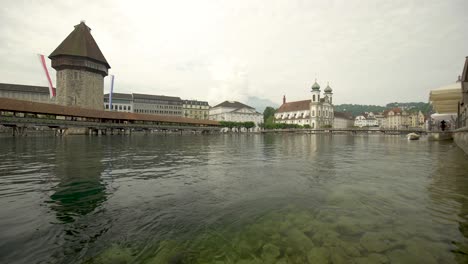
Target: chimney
284	99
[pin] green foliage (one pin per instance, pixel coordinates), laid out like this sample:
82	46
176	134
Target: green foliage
307	126
357	109
270	120
281	126
326	126
268	113
229	124
413	106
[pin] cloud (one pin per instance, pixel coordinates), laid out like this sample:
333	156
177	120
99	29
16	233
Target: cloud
370	51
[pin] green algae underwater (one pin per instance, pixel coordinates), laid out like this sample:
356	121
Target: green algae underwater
297	236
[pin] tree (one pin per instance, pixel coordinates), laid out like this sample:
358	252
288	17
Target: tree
268	112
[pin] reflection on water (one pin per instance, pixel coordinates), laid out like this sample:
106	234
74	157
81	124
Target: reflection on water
232	199
80	188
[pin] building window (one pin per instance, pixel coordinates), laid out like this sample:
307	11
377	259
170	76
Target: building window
107	106
313	96
129	108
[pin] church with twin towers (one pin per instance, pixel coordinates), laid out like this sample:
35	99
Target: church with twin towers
316	112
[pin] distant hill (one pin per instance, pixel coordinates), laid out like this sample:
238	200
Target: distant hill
357	109
412	106
260	103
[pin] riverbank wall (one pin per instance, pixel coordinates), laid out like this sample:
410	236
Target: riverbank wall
460	136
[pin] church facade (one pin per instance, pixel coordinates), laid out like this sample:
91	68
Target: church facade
317	112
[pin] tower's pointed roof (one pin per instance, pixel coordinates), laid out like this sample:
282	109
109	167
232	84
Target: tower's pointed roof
328	89
80	43
315	86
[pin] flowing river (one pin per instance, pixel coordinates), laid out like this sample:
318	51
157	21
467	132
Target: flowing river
281	198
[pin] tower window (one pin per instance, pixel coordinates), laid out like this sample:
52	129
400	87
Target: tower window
313	97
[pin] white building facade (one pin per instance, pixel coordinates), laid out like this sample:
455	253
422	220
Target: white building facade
366	120
120	102
396	118
318	112
234	111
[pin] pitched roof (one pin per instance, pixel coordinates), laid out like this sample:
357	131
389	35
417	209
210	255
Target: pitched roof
24	88
156	97
232	104
294	106
236	110
195	102
80	43
120	96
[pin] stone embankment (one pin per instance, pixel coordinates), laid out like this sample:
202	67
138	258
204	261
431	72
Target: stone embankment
460	137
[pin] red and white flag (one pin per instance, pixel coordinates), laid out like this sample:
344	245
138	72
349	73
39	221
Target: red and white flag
44	66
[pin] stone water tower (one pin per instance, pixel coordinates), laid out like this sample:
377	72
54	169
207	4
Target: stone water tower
81	68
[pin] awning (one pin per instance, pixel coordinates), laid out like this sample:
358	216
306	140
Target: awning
445	99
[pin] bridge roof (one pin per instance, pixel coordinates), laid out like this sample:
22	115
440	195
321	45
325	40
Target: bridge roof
7	104
445	99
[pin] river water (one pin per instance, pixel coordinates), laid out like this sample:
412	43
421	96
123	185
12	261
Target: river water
232	199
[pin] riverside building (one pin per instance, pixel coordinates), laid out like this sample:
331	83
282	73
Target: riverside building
144	104
121	102
157	104
196	109
25	92
317	112
396	118
234	111
366	120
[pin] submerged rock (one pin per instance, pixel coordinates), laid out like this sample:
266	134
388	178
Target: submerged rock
338	256
376	242
318	255
373	258
348	226
169	252
299	240
326	237
352	250
114	255
270	252
402	256
249	261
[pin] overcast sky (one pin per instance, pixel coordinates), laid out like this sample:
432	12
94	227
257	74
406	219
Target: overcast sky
371	52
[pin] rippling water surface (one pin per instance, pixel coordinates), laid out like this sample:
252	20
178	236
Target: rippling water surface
232	199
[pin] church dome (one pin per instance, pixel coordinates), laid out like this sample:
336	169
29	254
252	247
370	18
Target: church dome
328	89
315	86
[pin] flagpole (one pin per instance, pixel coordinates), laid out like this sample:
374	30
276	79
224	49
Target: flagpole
49	80
111	91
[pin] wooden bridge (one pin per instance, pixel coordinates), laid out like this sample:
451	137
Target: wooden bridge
21	115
